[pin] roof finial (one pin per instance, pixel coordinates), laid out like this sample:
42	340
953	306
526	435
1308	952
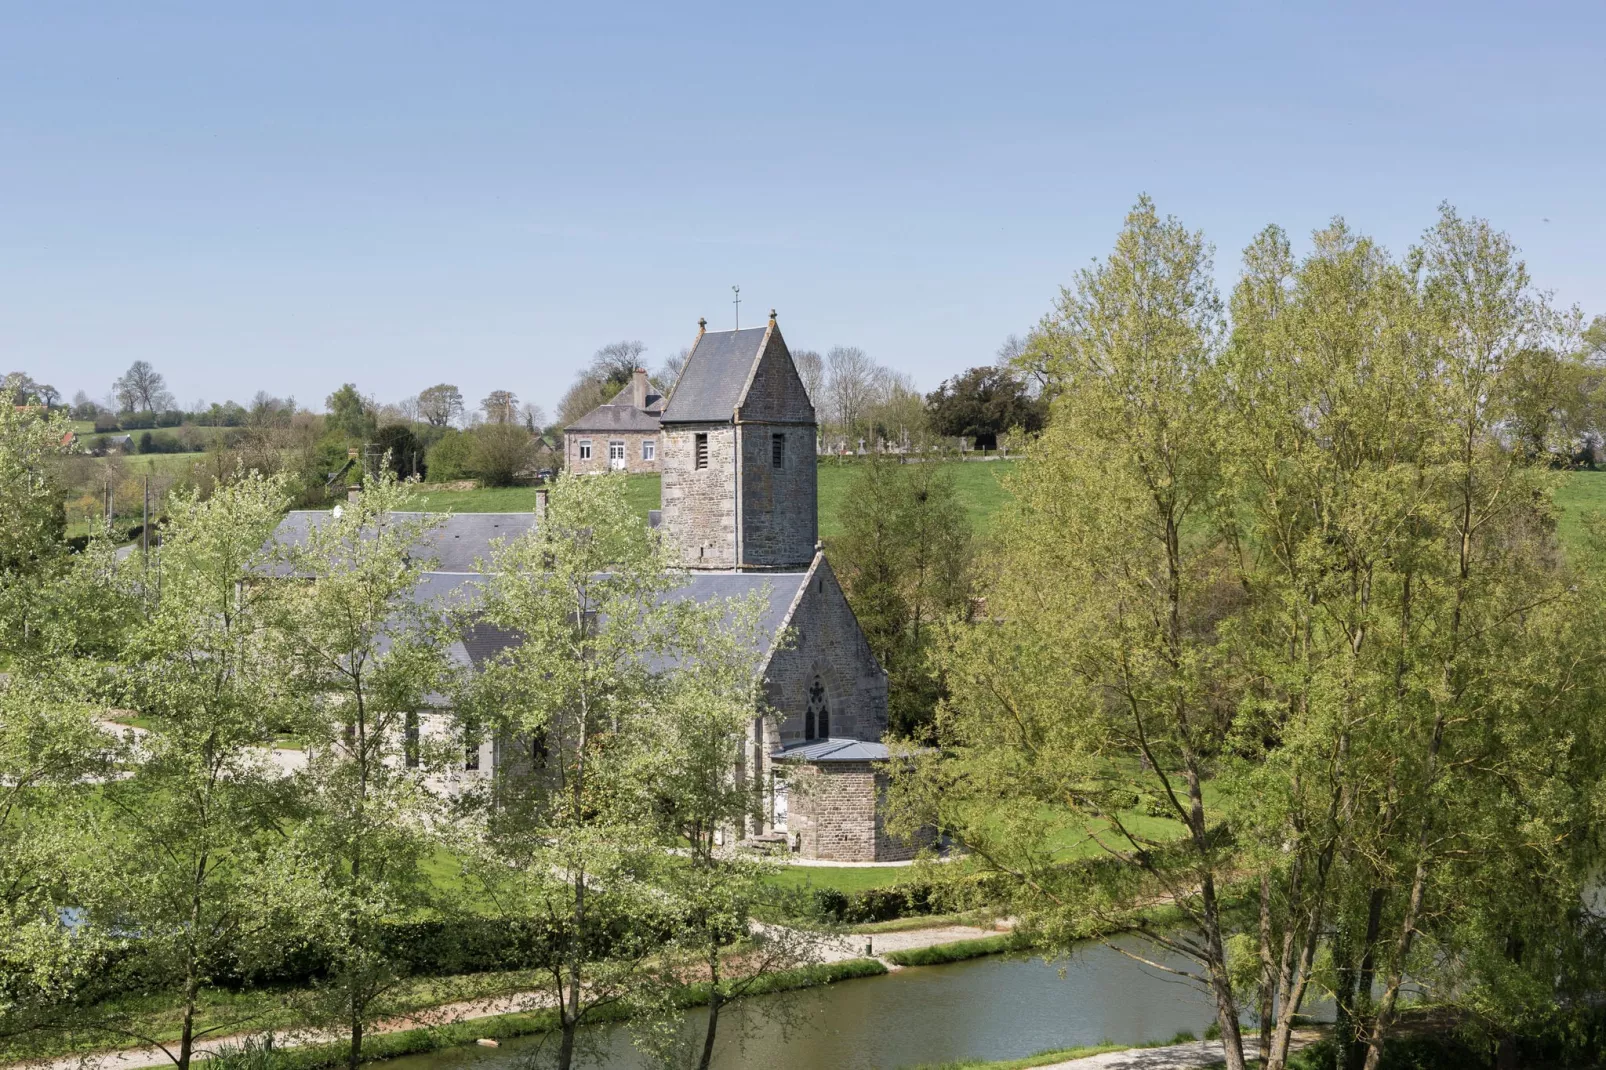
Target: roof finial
772	315
702	324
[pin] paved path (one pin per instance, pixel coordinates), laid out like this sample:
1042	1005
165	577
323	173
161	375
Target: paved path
1198	1053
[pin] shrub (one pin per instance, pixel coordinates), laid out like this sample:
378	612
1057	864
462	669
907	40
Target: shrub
872	904
452	457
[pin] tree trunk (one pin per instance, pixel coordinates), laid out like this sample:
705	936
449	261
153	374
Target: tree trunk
354	1054
566	1044
1267	981
713	1024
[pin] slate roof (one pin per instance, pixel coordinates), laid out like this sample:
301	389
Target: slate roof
714	377
833	750
452	547
619	413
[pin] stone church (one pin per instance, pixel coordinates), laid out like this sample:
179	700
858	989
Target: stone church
739	513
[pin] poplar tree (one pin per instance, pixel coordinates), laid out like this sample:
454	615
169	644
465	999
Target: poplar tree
364	658
193	852
571	839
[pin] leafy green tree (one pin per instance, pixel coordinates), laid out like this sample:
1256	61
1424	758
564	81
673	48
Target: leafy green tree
1092	680
452	456
351	414
499	452
193	853
705	720
440	404
572	839
364	660
904	557
982	404
50	747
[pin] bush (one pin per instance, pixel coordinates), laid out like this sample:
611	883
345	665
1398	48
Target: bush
872	904
452	457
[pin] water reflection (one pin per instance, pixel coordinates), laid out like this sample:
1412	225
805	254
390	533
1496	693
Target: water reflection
992	1008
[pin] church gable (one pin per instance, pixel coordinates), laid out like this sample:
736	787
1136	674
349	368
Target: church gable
824	681
774	391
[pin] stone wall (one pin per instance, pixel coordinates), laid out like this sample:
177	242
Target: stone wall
699	505
599	450
779	513
824	640
837	813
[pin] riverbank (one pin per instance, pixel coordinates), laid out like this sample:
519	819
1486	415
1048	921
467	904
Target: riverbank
1166	1055
500	1017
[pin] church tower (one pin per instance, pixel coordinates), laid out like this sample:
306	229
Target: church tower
739	462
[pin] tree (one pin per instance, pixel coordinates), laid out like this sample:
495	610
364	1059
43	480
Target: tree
982	404
673	365
811	369
30	499
586	394
903	558
364	660
193	846
351	414
440	404
571	840
616	363
452	456
500	407
499	452
850	377
142	389
1100	644
532	417
397	444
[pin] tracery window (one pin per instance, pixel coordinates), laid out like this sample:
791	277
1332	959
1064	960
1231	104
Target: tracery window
817	719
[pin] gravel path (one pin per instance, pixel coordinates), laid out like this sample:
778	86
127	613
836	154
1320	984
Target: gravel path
1190	1056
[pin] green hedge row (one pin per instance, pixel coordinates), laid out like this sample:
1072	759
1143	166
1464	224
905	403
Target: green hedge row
958	951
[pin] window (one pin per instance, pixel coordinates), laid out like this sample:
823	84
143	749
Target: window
410	747
471	754
649	450
778	451
817	721
585	449
616	453
700	449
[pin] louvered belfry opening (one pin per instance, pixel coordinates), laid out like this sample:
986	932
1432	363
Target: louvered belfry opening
701	450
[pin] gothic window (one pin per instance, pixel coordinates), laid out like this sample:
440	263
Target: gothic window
817	719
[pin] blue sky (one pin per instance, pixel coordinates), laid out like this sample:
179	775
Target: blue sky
287	196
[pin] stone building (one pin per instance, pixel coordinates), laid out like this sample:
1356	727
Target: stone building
621	434
739	512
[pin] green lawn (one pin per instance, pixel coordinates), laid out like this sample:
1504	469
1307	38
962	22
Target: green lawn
846	879
979	484
1580	493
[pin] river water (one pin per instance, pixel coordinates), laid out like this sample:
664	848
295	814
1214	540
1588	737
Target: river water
1000	1007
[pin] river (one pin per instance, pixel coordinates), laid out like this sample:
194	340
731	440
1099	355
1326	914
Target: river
1000	1007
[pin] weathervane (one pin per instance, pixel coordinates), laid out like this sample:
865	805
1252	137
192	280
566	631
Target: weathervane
737	290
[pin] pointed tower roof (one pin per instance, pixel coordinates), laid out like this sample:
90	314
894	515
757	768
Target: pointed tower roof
715	376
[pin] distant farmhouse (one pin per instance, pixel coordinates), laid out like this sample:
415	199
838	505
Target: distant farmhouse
735	446
619	435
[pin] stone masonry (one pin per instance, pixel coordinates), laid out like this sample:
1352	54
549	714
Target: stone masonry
837	813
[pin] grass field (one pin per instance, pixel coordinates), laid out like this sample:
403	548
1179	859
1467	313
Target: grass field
1580	494
979	485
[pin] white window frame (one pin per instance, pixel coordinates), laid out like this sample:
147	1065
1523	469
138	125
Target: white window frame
585	449
616	453
649	450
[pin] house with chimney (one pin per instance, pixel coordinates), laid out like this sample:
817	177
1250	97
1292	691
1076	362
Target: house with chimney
735	447
620	435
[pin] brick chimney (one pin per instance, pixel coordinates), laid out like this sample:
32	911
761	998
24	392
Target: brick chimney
638	388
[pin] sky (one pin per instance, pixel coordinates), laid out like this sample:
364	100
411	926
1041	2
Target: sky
286	196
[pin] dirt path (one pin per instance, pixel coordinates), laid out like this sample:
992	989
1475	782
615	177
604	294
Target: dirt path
836	949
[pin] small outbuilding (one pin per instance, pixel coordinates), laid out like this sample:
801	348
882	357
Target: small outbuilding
829	799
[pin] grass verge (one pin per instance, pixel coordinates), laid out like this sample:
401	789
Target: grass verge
528	1023
958	951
